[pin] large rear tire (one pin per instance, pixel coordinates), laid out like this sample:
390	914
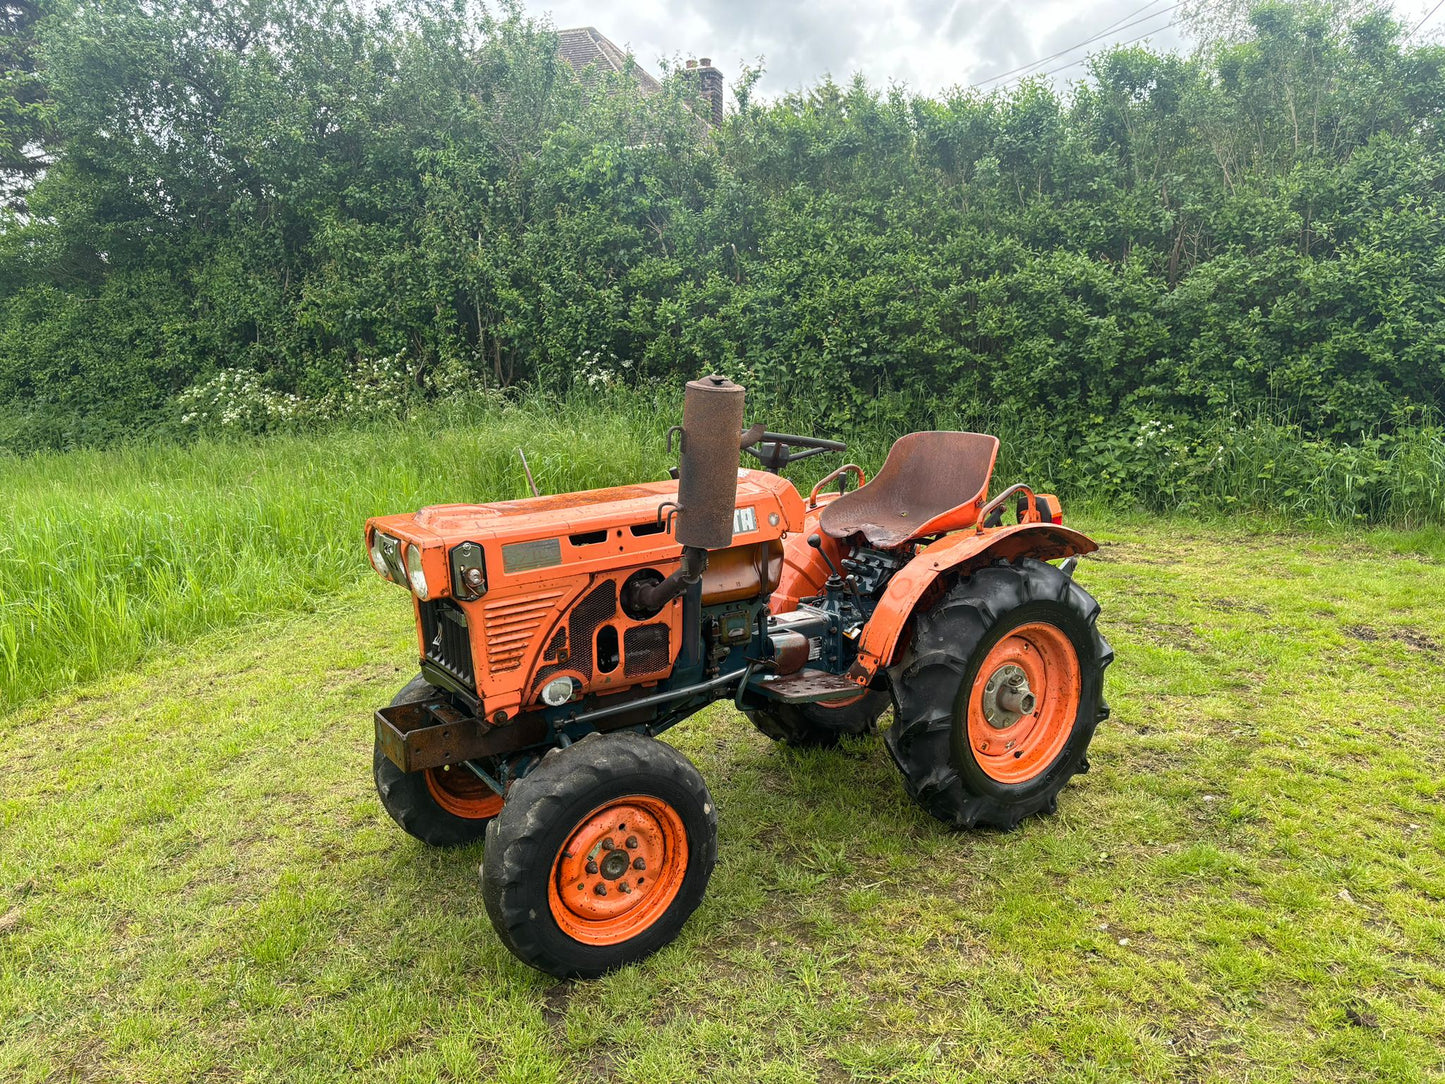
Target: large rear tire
442	807
820	725
600	855
998	694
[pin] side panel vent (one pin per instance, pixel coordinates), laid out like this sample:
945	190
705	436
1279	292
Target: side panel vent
597	606
510	624
646	649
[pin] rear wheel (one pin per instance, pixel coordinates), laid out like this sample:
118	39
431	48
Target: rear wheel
600	855
998	694
822	724
442	807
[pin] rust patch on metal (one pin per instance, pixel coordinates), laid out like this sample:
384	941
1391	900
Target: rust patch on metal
930	483
413	736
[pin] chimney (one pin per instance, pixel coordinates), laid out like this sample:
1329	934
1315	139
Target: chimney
710	90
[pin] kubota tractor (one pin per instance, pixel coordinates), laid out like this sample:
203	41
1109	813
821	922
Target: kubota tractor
560	634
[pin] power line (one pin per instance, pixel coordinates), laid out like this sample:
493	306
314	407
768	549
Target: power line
1045	60
1119	24
1425	20
1076	63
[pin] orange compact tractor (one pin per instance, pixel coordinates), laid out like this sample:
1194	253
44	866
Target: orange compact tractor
559	635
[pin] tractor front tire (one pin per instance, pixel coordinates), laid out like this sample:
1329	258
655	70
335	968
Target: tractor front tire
820	725
600	855
440	807
997	695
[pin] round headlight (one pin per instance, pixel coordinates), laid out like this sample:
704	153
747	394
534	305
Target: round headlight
414	572
378	559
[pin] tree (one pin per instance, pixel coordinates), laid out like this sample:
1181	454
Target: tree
26	116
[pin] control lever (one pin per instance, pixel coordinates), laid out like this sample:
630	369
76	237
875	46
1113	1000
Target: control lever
816	541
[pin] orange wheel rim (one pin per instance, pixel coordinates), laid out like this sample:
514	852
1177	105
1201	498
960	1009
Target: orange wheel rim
619	870
1024	701
832	704
462	794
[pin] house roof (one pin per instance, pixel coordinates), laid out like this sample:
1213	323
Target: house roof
585	45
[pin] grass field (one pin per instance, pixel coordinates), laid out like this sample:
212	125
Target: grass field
197	882
110	556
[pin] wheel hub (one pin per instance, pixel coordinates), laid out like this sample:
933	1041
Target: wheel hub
1007	697
619	870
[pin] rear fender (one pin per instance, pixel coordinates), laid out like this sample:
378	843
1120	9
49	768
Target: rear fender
951	556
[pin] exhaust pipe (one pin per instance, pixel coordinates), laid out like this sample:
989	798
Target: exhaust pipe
707	488
707	472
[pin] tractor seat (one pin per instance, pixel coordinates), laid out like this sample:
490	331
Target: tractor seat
931	483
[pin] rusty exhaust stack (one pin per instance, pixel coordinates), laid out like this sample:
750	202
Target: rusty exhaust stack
707	473
707	489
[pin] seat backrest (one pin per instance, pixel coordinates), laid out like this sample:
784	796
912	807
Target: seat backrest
931	483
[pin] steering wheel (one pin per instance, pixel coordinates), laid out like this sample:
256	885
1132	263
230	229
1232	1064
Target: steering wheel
775	450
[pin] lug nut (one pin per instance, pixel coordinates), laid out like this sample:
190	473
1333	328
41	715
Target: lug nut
639	863
601	889
624	887
608	845
591	865
632	843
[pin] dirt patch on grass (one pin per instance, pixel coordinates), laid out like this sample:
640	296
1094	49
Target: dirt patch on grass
555	1000
1412	638
1163	633
1233	605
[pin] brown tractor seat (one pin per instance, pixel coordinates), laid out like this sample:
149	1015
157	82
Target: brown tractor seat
931	483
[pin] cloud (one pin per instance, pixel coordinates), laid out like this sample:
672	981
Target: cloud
929	45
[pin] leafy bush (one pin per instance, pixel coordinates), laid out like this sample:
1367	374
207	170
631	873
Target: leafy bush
292	214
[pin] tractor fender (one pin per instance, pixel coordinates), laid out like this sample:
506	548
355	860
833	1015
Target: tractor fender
949	556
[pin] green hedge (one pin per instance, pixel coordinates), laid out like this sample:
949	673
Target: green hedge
353	211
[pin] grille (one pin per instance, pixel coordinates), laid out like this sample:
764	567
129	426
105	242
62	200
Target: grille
511	623
447	643
599	605
555	645
590	612
646	649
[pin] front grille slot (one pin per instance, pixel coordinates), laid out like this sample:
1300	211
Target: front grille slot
511	623
445	640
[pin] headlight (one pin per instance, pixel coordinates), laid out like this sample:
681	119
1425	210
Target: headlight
386	557
378	558
414	572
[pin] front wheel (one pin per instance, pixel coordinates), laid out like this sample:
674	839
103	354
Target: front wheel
997	696
442	807
600	855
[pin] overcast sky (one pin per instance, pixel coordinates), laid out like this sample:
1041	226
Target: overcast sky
928	44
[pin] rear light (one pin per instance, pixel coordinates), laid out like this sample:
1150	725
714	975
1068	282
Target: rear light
1050	510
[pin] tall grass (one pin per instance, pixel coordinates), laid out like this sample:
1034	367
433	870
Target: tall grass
107	555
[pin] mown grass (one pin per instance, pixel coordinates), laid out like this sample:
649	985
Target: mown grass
196	880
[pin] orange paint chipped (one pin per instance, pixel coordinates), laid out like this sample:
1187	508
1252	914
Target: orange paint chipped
619	871
1018	753
462	794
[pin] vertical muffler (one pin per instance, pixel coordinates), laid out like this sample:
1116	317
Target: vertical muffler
707	493
707	472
